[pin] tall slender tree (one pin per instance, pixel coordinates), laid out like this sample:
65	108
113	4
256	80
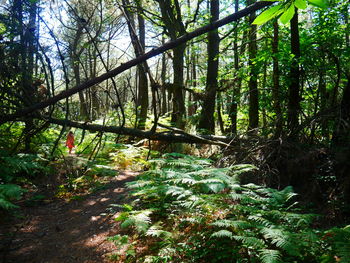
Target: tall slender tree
294	79
253	74
276	83
236	85
172	19
138	42
207	121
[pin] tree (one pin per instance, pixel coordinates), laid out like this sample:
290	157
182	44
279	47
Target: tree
172	19
294	86
138	42
276	84
253	74
207	121
18	80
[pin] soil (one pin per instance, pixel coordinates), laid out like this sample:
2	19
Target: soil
65	231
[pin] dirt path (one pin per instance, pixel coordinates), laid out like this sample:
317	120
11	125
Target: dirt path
66	232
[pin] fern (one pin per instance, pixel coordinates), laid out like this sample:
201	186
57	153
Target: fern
340	242
210	214
282	239
21	164
260	220
139	219
157	231
270	256
250	241
8	193
223	234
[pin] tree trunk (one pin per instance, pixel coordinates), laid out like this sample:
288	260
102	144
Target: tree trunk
220	120
294	87
192	108
139	48
143	81
178	102
253	74
84	113
171	16
28	69
236	85
207	121
341	133
95	103
276	84
163	78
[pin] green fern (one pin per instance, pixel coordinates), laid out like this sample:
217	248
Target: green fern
340	243
250	241
282	239
157	231
270	256
207	209
8	193
139	219
223	233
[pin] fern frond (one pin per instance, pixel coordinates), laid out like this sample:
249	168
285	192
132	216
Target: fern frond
157	231
270	256
238	224
250	241
11	191
138	184
213	185
282	239
7	205
139	219
180	192
8	193
280	198
185	180
341	243
236	196
260	220
239	169
222	234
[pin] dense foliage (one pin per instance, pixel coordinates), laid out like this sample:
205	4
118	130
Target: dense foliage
188	211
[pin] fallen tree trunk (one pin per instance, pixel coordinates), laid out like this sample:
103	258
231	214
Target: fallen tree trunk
114	72
169	136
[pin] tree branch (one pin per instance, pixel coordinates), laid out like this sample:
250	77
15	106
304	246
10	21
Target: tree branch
173	136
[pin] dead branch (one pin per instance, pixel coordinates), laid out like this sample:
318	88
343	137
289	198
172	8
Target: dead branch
170	136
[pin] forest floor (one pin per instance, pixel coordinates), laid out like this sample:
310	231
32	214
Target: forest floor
58	230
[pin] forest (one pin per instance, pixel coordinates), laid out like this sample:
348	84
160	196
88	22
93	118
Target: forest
175	131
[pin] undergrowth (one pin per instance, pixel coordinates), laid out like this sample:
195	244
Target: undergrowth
185	210
17	170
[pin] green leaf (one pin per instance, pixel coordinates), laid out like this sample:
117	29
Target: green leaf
301	4
319	3
288	14
267	15
2	29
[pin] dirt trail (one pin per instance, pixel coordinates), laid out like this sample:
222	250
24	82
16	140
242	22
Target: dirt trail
66	232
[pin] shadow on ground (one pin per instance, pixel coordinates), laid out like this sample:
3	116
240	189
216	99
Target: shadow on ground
67	232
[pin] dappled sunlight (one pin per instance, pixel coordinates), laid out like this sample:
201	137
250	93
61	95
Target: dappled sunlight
68	231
